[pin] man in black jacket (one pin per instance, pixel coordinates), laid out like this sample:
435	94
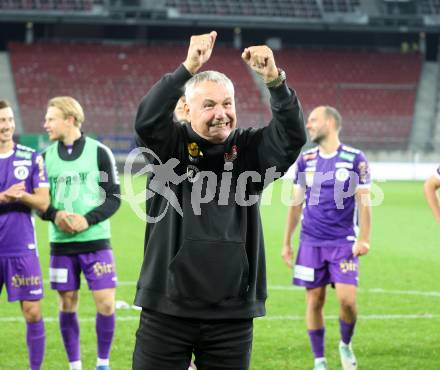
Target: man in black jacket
203	277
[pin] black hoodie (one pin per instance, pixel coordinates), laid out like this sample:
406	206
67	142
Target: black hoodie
209	263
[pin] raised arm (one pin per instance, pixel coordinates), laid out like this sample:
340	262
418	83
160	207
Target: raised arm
279	144
154	120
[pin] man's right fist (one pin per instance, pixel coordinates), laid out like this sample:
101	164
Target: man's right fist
199	51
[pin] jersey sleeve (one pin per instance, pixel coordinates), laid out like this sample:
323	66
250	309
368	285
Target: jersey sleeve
38	174
362	169
299	174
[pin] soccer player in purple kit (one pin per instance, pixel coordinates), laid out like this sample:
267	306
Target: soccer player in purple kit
432	185
23	186
333	182
84	189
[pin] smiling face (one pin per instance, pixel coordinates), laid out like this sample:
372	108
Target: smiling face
56	125
7	125
211	111
318	125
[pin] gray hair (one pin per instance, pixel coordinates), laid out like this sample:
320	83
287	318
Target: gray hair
331	112
213	76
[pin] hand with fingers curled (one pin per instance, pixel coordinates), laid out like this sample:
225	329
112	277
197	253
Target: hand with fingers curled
360	248
14	193
79	223
70	223
261	60
199	51
287	255
63	222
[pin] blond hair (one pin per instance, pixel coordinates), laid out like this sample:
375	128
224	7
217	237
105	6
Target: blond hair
70	108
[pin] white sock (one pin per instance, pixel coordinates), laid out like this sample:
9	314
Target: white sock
319	359
75	365
102	362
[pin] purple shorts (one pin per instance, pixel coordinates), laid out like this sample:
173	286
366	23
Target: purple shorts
98	268
318	266
22	277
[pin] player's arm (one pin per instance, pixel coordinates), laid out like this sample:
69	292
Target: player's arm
154	123
38	200
293	218
363	201
431	186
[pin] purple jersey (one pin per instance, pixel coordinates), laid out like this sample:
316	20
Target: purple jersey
17	236
437	173
330	182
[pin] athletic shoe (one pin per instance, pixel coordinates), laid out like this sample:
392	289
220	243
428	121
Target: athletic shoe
320	364
348	359
102	367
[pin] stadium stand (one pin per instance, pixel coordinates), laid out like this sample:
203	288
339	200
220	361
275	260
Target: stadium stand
109	81
429	7
50	5
341	6
279	8
374	91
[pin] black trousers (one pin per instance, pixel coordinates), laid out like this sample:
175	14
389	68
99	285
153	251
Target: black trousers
166	342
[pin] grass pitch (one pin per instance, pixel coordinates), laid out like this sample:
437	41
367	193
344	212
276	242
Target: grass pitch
399	295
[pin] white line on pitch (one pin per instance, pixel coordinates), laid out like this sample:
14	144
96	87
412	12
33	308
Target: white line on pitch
270	318
362	290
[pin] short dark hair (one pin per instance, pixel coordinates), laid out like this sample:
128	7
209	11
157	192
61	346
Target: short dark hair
4	104
331	112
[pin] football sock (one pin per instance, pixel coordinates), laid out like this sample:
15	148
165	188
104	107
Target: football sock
317	341
105	328
35	339
346	330
69	327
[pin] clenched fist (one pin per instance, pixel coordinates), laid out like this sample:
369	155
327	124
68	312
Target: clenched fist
261	60
199	51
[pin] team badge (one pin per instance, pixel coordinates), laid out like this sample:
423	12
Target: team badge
194	150
232	155
21	172
342	174
192	172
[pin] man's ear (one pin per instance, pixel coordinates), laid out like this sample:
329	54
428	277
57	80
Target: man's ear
71	120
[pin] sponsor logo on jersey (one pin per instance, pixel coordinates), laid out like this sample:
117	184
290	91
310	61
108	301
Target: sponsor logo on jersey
18	281
23	154
344	165
347	156
102	268
347	265
24	162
